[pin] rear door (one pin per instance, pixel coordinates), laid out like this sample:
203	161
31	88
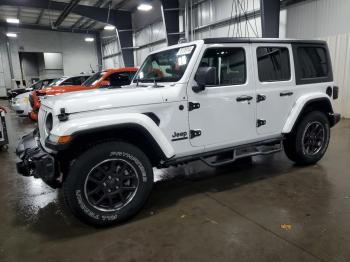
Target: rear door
275	86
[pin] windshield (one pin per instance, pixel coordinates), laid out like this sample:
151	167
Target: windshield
165	66
36	85
57	81
92	80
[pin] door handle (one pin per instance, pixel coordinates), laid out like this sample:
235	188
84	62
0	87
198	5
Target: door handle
289	93
244	98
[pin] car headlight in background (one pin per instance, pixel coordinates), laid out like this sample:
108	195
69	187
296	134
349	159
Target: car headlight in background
24	100
48	123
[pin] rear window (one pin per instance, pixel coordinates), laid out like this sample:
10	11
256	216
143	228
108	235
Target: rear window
313	62
273	64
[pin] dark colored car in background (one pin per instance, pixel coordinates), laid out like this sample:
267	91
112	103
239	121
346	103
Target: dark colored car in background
36	86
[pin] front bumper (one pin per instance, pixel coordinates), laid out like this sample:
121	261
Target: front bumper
35	161
334	119
20	109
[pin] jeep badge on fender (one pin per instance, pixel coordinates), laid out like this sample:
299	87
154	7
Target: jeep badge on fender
245	97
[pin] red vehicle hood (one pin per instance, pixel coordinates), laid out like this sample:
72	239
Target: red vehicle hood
54	90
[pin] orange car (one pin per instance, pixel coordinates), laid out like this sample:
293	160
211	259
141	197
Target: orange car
109	77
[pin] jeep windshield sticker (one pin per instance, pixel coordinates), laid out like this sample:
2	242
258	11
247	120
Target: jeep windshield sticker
179	136
185	50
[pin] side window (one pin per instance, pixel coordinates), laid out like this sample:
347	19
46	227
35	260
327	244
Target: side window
84	78
273	64
67	82
72	81
77	80
313	62
230	65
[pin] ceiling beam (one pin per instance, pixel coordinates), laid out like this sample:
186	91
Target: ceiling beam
19	12
42	27
66	11
120	5
40	16
81	19
92	12
87	24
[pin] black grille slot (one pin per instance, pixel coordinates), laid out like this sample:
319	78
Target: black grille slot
31	100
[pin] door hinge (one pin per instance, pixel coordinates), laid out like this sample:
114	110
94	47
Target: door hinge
260	98
260	122
193	106
195	133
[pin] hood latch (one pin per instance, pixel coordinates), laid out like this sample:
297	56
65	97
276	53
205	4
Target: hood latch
63	116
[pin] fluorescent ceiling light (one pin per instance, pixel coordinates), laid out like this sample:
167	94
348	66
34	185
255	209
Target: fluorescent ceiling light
11	35
89	39
109	27
144	7
12	20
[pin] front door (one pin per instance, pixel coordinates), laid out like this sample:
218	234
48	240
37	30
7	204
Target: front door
275	86
226	113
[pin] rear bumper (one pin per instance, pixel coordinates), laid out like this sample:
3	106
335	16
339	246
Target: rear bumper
334	118
35	161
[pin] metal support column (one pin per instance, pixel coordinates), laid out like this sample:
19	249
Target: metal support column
170	13
270	18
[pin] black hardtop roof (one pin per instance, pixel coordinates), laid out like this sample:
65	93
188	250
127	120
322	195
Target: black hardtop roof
222	40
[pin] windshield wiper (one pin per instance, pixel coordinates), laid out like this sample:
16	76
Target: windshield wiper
155	84
137	83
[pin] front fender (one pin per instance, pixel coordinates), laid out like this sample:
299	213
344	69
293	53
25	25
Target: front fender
298	107
78	125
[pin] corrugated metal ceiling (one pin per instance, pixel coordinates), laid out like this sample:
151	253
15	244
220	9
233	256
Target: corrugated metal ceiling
45	17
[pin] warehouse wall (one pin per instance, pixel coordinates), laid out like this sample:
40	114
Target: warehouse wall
78	55
5	75
327	20
148	39
150	34
209	15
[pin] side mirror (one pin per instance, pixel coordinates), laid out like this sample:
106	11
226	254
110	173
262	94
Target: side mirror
104	83
204	76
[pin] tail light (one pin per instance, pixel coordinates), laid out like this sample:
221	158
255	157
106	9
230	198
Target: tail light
335	92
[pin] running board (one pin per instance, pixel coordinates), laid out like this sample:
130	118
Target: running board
257	148
246	152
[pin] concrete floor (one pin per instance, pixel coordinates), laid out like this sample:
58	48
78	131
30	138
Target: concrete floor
195	213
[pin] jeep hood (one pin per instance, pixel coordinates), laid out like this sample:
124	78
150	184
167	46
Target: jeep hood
99	99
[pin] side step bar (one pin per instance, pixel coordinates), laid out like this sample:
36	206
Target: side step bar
246	152
258	148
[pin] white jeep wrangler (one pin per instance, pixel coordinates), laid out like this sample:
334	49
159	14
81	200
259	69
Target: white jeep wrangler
224	97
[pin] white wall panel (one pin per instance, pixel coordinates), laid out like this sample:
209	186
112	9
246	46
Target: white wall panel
146	36
111	51
328	20
78	55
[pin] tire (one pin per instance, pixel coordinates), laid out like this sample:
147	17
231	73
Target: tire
308	142
123	191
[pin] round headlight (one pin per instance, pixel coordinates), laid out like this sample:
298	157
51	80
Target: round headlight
49	123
